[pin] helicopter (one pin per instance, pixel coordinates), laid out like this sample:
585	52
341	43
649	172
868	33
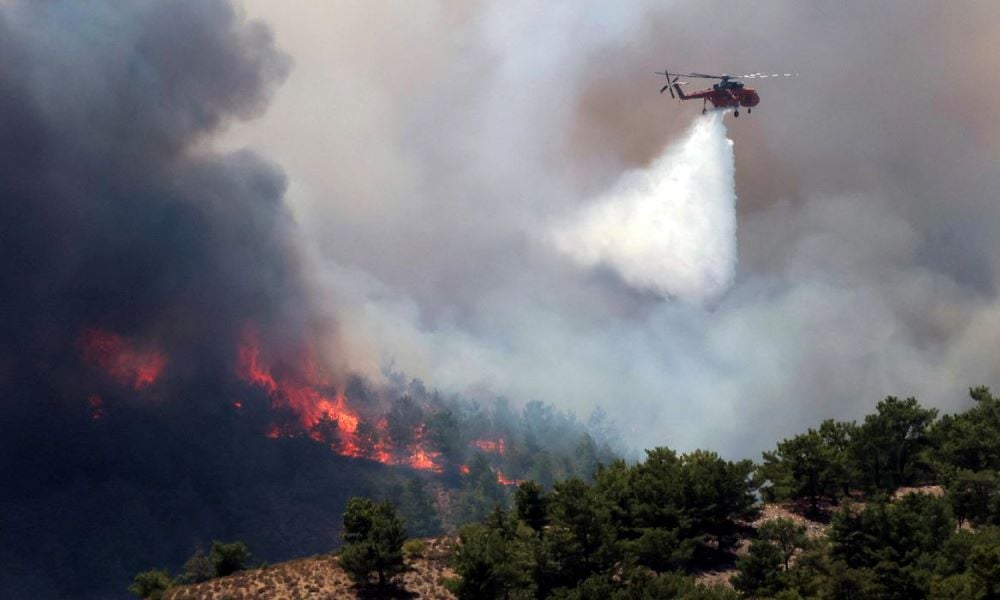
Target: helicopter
728	93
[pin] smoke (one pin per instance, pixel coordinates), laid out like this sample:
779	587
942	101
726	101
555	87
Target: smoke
430	173
669	228
133	258
398	207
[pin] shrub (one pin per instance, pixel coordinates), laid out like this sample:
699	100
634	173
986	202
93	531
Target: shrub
151	584
229	558
413	548
374	537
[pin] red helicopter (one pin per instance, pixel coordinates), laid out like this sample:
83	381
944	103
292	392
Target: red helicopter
728	93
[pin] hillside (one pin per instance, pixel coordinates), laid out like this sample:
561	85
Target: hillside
321	577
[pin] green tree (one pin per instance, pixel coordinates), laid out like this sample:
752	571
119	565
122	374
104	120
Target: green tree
579	539
151	584
613	484
716	494
759	572
373	537
445	435
543	469
969	566
530	504
480	491
402	420
975	496
811	465
970	440
898	542
416	507
587	457
229	558
966	456
846	583
787	535
494	559
640	584
887	446
671	509
200	567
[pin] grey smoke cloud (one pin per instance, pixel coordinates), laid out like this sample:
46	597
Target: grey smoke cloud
429	148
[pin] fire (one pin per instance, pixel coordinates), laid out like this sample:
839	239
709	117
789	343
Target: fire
504	481
96	404
421	459
491	446
323	414
501	478
303	390
121	359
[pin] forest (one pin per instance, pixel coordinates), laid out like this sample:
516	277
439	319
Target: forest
643	530
906	503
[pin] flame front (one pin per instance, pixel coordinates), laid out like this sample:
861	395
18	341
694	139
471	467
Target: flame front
323	413
504	481
300	391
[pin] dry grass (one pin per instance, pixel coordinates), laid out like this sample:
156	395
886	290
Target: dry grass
931	490
320	577
768	512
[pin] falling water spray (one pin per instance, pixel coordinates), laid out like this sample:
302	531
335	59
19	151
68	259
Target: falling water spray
669	228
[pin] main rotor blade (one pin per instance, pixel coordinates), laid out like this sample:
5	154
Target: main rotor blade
759	75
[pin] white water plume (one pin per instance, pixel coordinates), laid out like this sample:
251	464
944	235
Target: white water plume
669	228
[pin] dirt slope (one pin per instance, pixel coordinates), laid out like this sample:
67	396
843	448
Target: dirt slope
320	577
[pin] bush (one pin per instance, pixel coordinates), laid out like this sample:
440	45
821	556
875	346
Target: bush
198	568
374	537
151	584
413	548
229	558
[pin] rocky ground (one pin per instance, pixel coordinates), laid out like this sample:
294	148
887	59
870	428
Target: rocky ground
320	577
816	525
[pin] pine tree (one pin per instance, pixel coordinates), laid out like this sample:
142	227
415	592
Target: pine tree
374	537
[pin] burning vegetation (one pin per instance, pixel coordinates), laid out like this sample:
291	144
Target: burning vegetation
127	363
136	394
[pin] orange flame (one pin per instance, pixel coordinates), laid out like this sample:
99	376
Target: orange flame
307	393
421	459
298	392
504	481
120	359
492	446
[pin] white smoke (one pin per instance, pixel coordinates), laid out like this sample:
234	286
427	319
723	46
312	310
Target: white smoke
669	228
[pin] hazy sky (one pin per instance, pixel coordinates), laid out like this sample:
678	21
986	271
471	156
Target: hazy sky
431	148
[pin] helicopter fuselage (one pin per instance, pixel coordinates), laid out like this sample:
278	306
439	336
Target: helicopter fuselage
728	94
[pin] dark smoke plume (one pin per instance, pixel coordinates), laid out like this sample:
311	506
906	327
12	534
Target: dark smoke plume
133	259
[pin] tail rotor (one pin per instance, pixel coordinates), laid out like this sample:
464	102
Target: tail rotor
670	83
